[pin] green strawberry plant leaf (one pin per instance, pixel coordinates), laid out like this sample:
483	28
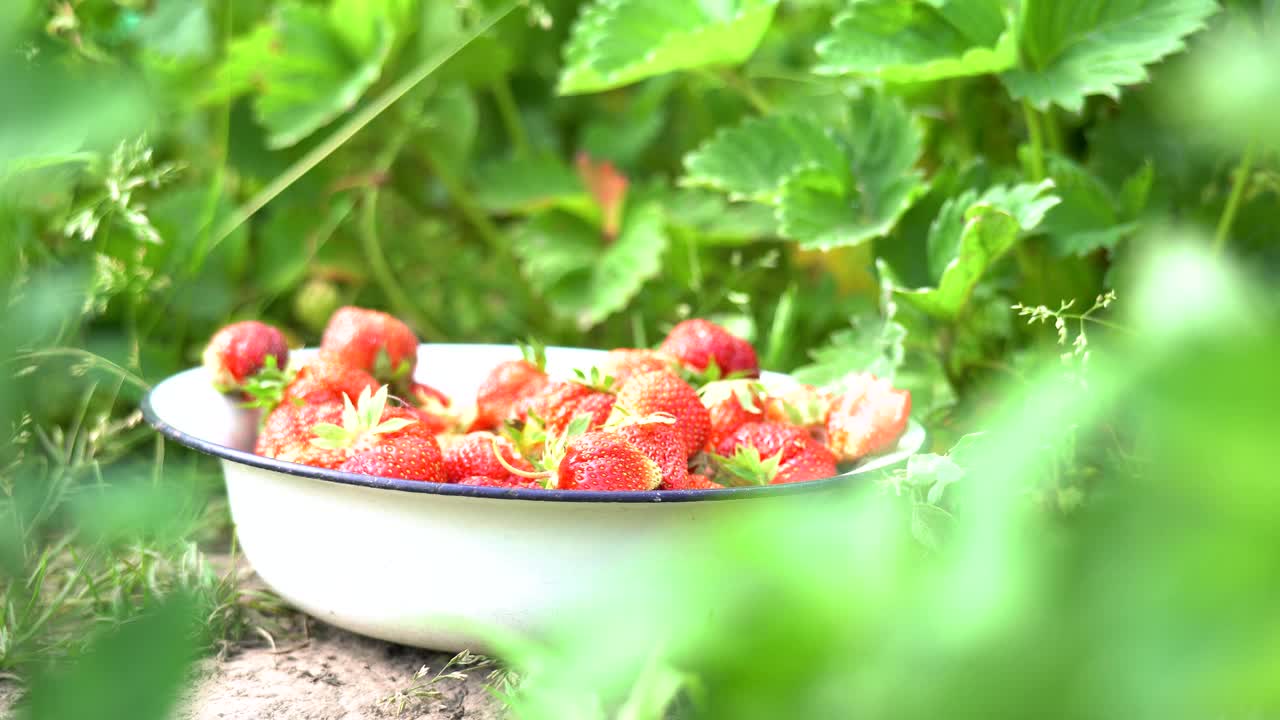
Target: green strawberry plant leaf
617	42
920	40
305	71
987	234
828	188
874	344
1092	216
529	183
581	274
1071	50
752	161
1027	203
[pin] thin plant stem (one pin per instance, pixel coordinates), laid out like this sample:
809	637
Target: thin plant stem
743	87
1036	138
466	203
357	122
93	358
510	114
372	245
1238	186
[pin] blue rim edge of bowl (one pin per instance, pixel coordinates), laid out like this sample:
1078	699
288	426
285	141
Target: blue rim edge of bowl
417	486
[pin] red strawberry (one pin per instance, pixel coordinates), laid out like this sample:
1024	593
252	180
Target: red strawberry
596	460
868	418
507	384
433	407
803	405
510	481
327	379
372	341
660	442
693	481
240	350
705	347
405	457
730	405
286	434
623	363
561	401
390	441
814	462
473	455
606	461
769	453
663	392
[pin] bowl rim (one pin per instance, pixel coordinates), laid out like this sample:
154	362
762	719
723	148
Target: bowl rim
241	457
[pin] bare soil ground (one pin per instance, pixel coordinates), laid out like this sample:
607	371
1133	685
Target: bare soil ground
333	675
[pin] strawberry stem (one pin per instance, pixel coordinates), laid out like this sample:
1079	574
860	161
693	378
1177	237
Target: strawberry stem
518	472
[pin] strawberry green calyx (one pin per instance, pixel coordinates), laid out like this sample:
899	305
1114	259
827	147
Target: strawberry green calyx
712	374
359	421
398	375
265	388
534	353
621	416
595	379
747	392
746	467
554	449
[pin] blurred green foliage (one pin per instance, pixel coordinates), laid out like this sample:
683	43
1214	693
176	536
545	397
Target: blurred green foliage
911	187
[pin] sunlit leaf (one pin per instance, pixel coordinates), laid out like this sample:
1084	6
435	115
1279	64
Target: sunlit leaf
617	42
988	233
304	72
830	188
919	40
1071	50
1027	203
753	160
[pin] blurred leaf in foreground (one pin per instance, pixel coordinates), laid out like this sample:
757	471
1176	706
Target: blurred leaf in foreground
131	672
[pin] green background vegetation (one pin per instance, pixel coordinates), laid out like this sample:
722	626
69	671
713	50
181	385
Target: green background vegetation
1054	222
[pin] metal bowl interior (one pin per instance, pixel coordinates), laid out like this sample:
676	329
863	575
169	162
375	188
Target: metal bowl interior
186	409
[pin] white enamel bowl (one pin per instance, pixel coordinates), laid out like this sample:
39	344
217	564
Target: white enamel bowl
445	566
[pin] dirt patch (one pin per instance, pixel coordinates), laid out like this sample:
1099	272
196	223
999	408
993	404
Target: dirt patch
333	675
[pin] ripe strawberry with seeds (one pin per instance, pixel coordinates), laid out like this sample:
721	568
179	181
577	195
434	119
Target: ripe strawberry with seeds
662	444
869	417
561	401
663	392
326	379
769	453
474	454
374	342
381	440
241	350
730	405
621	364
406	457
286	434
803	405
507	385
598	460
706	348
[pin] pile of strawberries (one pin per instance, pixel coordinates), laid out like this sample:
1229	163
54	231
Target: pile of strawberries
689	415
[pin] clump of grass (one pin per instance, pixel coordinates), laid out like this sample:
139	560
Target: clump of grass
426	686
